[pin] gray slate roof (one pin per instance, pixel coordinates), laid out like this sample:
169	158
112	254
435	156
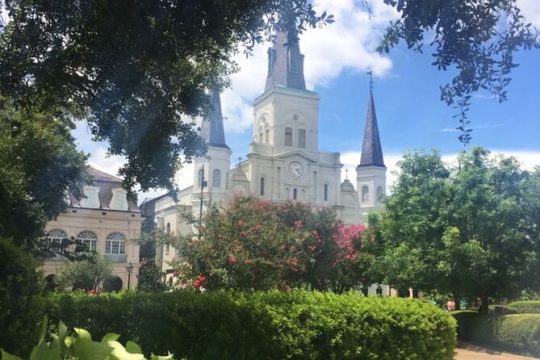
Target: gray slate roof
284	69
216	135
372	154
106	183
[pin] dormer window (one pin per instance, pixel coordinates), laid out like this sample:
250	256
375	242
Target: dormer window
91	197
119	200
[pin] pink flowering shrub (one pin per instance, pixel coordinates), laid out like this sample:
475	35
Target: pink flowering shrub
254	244
345	238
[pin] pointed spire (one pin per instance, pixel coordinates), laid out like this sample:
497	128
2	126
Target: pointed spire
371	149
216	134
285	62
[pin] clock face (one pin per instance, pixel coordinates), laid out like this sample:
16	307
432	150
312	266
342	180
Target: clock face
296	169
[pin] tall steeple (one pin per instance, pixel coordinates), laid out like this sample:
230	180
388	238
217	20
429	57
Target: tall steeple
371	149
285	62
216	134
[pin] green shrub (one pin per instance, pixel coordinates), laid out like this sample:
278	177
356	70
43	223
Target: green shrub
265	325
112	283
463	319
517	333
21	307
502	310
78	344
526	307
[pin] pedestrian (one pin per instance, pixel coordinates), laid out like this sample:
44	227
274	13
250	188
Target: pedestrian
451	305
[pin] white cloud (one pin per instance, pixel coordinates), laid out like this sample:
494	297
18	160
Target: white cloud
346	45
110	164
531	11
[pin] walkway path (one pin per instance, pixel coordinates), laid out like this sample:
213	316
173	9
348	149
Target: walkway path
471	352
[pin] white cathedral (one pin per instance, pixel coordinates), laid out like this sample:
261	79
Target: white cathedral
284	162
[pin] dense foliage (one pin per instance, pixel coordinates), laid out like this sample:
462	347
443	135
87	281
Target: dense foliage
135	69
266	325
518	333
84	274
254	244
464	230
39	165
526	307
20	303
63	344
150	277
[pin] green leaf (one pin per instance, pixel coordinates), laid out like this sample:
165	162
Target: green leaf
62	334
86	349
162	357
120	353
8	356
110	337
133	348
43	329
83	334
44	352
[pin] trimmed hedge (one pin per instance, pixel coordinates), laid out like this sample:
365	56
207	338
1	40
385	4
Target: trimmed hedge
265	325
517	333
526	307
463	319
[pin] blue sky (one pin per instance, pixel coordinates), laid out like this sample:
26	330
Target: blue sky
406	90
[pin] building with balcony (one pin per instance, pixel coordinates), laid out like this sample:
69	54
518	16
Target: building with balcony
104	220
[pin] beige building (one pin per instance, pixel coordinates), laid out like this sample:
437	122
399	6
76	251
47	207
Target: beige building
106	221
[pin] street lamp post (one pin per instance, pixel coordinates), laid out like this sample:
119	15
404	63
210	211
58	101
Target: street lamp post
129	269
203	184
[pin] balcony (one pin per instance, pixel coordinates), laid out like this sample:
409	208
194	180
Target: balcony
116	258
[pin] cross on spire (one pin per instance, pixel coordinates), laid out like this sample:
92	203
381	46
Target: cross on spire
346	174
239	160
370	73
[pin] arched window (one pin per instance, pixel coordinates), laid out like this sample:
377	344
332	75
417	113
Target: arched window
168	228
261	187
325	192
216	178
267	136
295	194
88	239
365	193
56	239
115	244
380	194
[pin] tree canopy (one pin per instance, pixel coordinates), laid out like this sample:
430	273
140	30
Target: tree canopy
469	230
137	70
40	165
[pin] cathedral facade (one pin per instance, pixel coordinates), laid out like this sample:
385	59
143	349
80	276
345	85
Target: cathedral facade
284	162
